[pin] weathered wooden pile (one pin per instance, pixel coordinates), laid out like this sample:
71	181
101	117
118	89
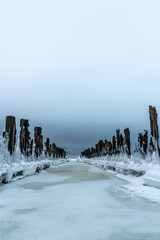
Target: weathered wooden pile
121	144
27	145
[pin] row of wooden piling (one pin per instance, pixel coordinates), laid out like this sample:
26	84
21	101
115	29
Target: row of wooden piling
29	146
121	143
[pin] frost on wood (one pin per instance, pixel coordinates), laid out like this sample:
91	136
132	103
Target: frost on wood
54	150
127	143
25	141
114	145
151	146
142	143
10	133
145	142
38	140
48	148
154	125
118	140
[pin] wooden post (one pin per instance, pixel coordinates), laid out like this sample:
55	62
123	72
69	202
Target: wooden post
38	140
54	150
127	142
118	140
154	126
25	143
145	142
47	146
101	147
114	145
140	143
121	139
10	133
151	146
109	148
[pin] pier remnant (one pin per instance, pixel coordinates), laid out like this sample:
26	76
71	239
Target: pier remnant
25	142
145	142
127	143
118	140
10	133
48	148
154	126
38	140
114	145
151	146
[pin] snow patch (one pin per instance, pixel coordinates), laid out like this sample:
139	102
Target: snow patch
143	177
152	178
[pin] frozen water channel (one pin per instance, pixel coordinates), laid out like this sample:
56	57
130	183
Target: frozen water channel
74	202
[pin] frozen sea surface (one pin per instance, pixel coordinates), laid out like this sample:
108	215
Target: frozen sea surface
74	202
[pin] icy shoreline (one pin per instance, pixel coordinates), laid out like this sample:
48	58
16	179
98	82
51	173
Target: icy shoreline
15	171
143	179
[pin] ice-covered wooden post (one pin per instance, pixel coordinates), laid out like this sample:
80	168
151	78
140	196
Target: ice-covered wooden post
118	140
38	140
145	142
121	139
25	142
48	148
114	145
127	143
140	143
93	152
54	150
31	146
151	146
106	146
88	153
101	146
10	133
98	149
154	126
109	148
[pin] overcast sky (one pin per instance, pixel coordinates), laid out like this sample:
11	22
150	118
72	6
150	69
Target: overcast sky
80	68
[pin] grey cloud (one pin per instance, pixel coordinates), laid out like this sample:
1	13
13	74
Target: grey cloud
79	68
